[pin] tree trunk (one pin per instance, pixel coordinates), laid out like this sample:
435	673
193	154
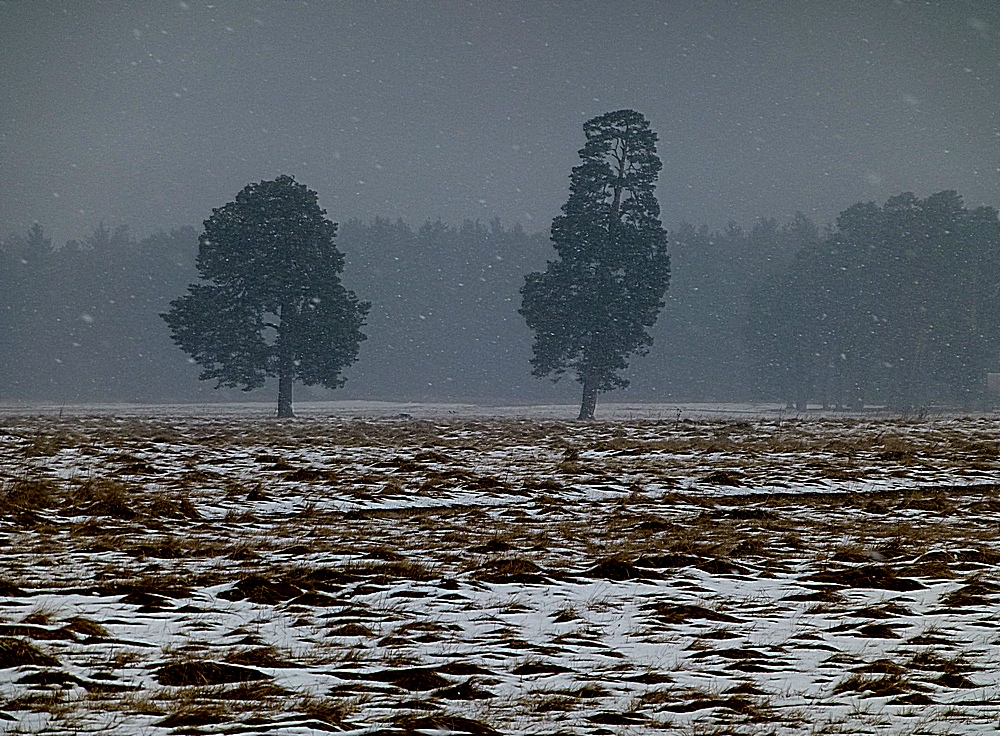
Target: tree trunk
589	403
284	368
285	395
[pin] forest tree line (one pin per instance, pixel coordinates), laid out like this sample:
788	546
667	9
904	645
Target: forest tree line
896	304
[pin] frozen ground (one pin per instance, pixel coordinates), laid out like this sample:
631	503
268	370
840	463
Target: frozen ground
460	569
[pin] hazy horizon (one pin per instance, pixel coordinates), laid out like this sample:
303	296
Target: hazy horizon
152	114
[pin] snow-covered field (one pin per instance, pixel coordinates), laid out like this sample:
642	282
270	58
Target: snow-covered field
396	569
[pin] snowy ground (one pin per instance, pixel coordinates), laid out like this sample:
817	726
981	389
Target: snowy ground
457	569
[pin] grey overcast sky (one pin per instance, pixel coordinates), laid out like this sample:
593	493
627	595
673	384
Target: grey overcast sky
151	113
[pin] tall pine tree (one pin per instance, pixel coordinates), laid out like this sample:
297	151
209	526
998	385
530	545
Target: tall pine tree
592	307
274	304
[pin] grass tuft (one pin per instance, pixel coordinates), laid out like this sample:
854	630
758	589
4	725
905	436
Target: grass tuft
16	652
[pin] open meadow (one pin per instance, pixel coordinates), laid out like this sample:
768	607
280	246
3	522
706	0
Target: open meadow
441	572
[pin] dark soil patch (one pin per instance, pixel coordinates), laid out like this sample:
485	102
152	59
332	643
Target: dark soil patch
887	685
976	593
854	556
978	556
491	547
259	657
414	679
929	660
750	513
881	667
929	640
9	590
656	525
650	678
723	478
730	654
588	692
510	570
543	485
313	600
463	669
886	610
868	576
616	719
556	704
411	725
261	590
719	566
187	717
310	475
912	699
539	668
464	691
352	629
877	631
618	569
327	579
737	704
163	587
38	633
49	677
252	691
823	595
391	572
203	672
955	680
745	688
678	613
719	635
147	601
659	562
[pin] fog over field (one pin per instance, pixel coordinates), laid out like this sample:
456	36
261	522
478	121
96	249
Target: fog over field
441	136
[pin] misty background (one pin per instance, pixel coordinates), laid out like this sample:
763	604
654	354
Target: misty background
441	137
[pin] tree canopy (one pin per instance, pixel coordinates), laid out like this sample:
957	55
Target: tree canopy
273	304
899	304
593	306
